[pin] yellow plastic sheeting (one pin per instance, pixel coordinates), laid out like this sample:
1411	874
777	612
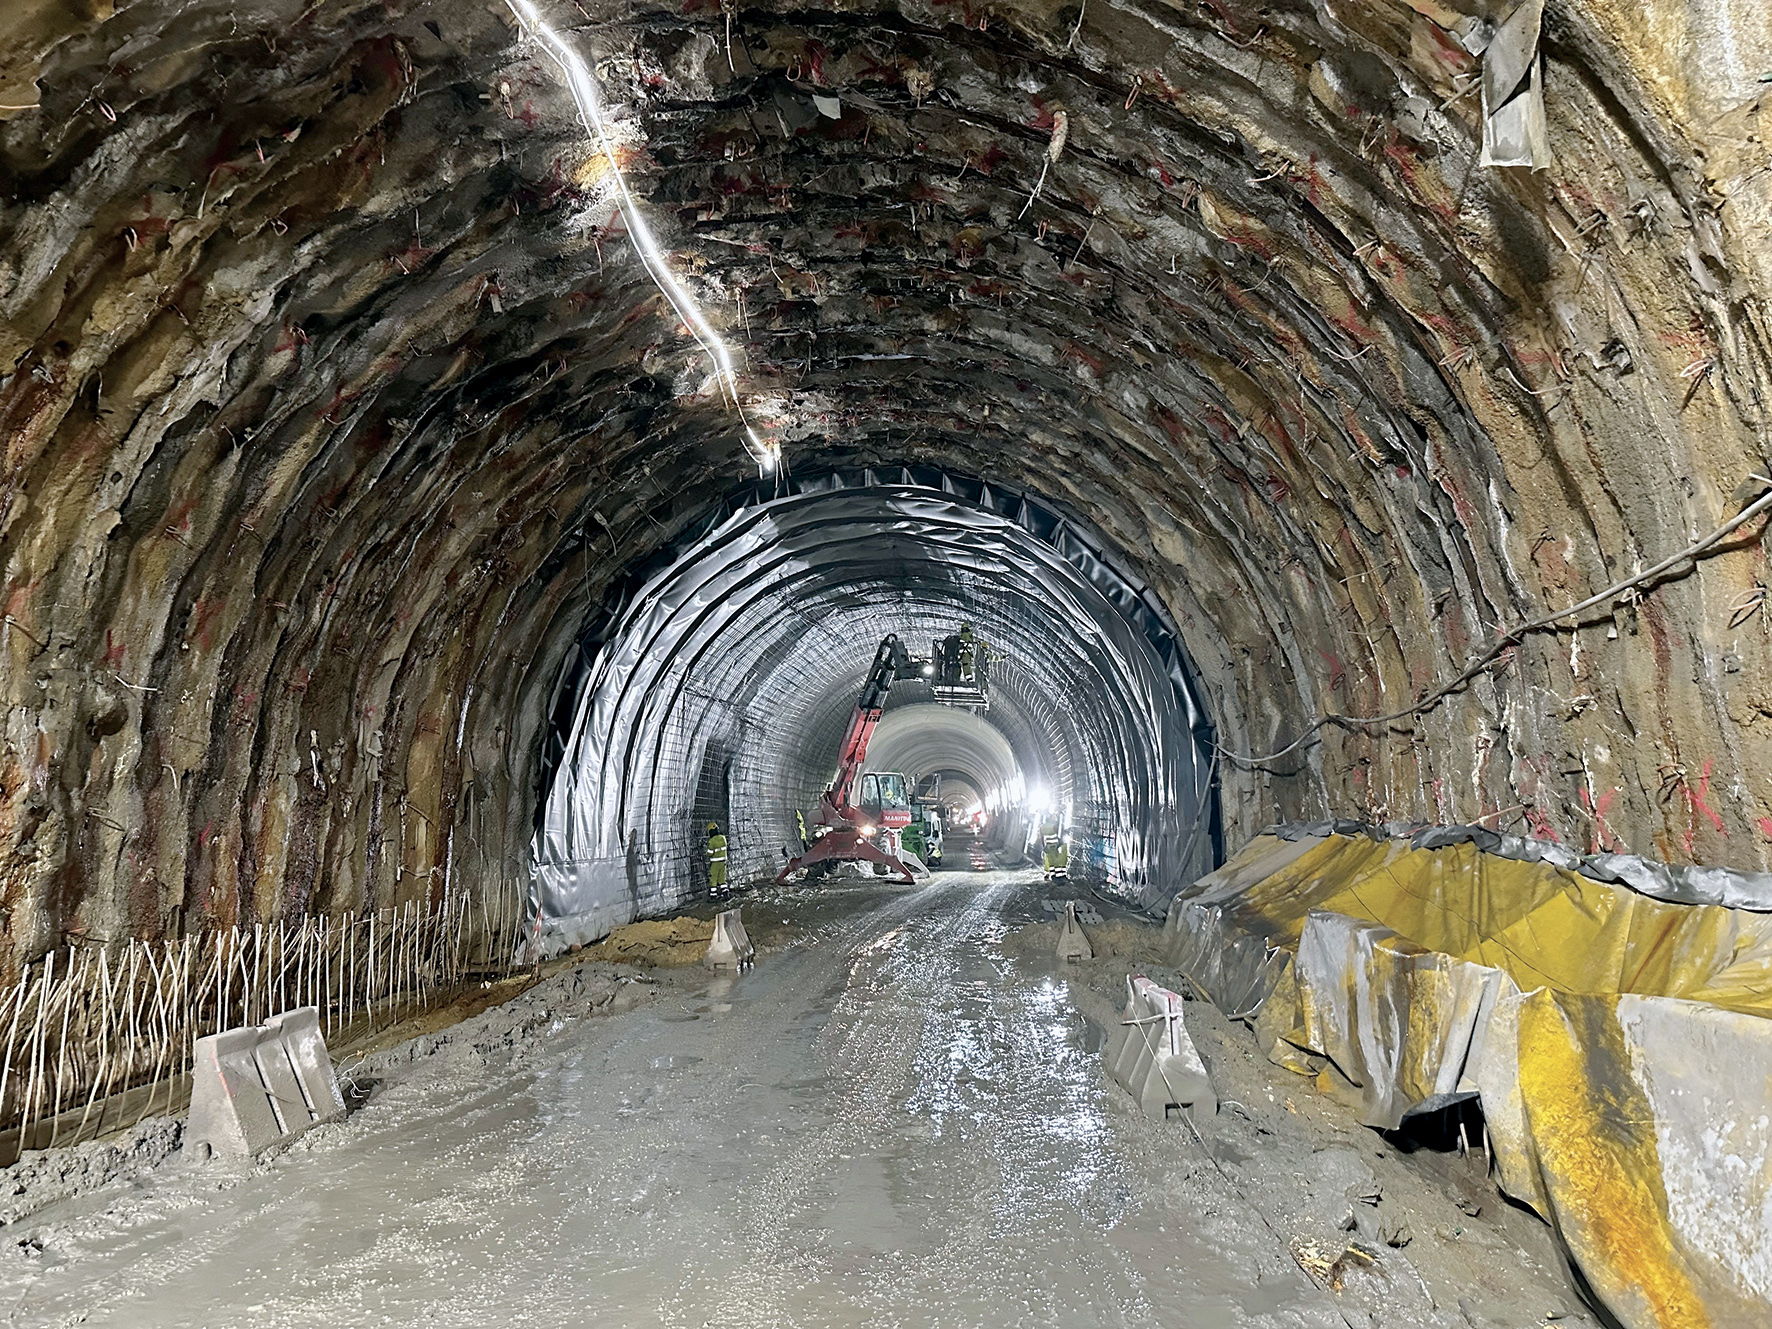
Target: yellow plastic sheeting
1619	1045
1646	1134
1540	925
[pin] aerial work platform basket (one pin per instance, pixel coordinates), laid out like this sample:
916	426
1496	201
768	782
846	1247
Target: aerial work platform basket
960	670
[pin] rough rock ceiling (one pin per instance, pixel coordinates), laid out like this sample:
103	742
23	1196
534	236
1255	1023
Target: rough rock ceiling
332	393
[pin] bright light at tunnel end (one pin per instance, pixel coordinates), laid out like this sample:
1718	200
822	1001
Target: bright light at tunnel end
582	83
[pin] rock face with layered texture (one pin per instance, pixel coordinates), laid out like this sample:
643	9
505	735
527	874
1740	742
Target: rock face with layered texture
333	395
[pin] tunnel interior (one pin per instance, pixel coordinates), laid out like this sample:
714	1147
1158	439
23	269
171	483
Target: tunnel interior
353	360
722	692
456	451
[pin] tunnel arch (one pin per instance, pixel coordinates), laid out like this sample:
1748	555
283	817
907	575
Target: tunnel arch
336	399
750	649
958	793
359	424
925	738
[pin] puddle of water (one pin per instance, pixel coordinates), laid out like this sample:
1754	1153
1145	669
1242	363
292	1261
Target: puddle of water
1095	1035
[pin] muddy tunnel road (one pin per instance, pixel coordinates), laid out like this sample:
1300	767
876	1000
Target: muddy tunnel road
894	1122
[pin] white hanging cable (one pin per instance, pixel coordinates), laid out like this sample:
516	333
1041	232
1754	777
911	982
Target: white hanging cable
583	85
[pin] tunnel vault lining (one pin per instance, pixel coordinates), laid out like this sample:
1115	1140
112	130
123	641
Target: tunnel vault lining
719	688
333	399
924	737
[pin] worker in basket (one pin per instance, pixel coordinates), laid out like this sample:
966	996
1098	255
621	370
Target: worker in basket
1058	851
717	886
967	653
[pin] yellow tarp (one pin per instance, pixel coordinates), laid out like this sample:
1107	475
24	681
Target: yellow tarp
1540	925
1620	1045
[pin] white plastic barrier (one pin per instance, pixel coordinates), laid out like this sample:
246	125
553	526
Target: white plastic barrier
1152	1057
731	945
1073	942
262	1085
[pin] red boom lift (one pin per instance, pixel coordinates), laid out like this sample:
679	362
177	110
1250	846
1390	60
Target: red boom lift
851	830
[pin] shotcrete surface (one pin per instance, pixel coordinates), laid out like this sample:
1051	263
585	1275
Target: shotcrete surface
897	1118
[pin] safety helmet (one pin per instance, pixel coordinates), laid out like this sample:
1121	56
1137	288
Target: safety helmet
713	828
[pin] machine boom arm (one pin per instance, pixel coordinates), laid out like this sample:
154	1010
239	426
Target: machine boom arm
888	661
844	839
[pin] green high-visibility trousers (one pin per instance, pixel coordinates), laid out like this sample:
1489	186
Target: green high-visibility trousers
716	862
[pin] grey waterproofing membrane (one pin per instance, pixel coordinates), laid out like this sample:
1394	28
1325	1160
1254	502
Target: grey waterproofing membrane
1514	132
720	693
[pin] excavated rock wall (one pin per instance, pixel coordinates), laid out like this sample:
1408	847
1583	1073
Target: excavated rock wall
332	394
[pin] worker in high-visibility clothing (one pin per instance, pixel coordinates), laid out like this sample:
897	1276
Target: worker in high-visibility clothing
967	653
1057	861
800	825
717	886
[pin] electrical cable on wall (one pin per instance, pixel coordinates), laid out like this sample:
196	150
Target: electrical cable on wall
1634	584
582	83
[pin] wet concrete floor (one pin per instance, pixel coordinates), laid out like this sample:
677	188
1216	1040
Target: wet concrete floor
890	1123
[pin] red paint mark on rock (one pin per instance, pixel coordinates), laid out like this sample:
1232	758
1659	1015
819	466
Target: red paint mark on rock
1541	827
1602	837
1697	800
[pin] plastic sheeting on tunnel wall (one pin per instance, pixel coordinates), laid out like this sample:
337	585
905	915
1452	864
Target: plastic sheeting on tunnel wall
1620	1044
756	636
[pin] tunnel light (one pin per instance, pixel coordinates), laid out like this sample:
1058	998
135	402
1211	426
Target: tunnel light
583	86
928	671
768	455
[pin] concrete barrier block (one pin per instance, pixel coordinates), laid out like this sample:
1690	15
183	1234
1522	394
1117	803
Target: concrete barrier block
731	945
261	1085
1073	942
1152	1057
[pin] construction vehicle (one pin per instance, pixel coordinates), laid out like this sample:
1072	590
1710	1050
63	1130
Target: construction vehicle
923	836
858	818
932	836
